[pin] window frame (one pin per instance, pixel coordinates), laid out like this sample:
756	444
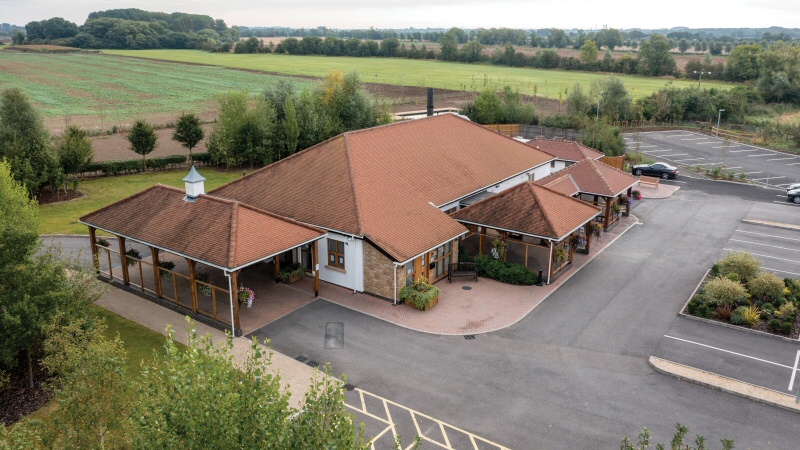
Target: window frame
334	251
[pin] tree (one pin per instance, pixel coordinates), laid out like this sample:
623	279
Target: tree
615	103
143	140
449	48
654	57
743	63
18	38
35	289
589	52
683	45
25	142
471	52
74	151
188	132
243	134
578	102
291	128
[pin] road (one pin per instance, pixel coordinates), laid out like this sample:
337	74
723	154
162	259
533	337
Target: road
691	149
574	373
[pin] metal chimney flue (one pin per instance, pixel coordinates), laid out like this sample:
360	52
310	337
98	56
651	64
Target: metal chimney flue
430	102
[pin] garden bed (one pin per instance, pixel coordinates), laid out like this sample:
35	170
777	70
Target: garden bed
736	293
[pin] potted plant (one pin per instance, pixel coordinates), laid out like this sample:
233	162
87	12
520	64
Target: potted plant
615	209
636	195
294	272
168	265
596	229
579	242
203	288
134	255
246	296
499	248
560	255
102	242
420	294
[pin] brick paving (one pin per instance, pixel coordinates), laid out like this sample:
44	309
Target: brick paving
662	191
488	306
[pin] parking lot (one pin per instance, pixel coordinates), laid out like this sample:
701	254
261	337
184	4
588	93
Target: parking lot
766	167
766	233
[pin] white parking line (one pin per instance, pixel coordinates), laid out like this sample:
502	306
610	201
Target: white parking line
765	256
696	139
782	159
785	203
767	235
781	271
728	146
756	156
739	151
681	135
794	371
727	351
690	159
646	146
793	164
731	168
709	164
674	154
766	245
705	143
766	178
654	151
748	173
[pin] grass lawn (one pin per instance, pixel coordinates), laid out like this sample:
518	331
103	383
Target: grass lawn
424	73
62	218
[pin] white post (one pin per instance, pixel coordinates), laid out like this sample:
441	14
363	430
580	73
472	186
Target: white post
719	118
230	297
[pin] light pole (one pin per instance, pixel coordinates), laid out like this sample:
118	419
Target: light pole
700	80
598	103
719	117
597	117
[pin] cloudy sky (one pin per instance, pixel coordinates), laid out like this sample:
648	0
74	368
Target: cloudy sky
527	14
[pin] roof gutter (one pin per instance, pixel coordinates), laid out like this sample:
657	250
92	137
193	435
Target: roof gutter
430	249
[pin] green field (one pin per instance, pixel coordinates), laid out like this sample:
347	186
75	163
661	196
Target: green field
121	89
62	218
421	73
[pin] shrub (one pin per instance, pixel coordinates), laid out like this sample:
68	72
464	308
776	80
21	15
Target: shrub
724	312
786	327
733	277
504	272
774	325
751	315
420	294
694	303
741	263
737	319
703	311
787	311
766	286
722	291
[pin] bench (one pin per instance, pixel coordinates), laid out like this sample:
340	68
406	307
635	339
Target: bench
651	181
462	269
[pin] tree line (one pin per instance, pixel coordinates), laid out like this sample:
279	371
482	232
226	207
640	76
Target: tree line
133	29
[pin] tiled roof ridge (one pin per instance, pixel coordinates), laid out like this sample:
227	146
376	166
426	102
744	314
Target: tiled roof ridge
131	197
585	150
555	175
351	174
315	147
278	216
542	210
600	173
232	236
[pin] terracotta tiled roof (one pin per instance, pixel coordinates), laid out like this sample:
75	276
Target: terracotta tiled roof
224	233
380	182
565	150
563	184
531	209
594	177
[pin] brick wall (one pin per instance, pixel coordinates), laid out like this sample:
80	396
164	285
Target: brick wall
378	269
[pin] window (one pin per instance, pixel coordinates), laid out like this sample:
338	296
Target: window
336	254
553	163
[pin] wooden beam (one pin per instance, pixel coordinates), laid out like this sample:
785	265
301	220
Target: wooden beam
277	260
192	279
607	219
315	265
235	297
126	278
93	246
156	273
628	203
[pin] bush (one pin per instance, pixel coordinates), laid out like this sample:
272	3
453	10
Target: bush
737	319
786	327
774	325
743	264
767	287
751	315
504	272
722	291
420	295
733	277
724	312
787	311
694	303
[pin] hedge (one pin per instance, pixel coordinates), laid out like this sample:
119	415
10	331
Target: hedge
504	272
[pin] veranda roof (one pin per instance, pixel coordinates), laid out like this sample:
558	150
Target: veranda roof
565	149
222	233
530	209
594	177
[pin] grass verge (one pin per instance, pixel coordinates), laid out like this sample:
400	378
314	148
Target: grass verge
62	218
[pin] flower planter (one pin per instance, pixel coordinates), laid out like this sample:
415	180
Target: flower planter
293	278
425	308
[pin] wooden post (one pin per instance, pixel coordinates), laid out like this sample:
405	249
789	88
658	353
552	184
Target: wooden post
480	242
588	232
526	254
607	219
235	297
126	278
315	265
277	260
571	248
93	246
628	204
156	273
595	201
192	279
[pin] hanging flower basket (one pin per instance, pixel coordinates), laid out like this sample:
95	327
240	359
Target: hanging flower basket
134	256
203	288
168	265
103	242
246	296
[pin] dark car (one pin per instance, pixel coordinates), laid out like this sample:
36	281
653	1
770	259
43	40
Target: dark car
661	170
793	193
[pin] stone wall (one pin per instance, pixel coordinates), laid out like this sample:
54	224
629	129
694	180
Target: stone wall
378	270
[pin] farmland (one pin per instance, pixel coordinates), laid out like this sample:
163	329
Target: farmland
102	91
420	73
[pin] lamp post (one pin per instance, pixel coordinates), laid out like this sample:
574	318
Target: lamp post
597	116
700	80
719	117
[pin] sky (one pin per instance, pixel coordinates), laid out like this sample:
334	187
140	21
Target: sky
525	14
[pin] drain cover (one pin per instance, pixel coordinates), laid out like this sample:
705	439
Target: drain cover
312	363
301	358
466	288
469	337
349	387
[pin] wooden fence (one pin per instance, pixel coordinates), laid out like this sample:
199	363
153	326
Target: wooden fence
617	162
